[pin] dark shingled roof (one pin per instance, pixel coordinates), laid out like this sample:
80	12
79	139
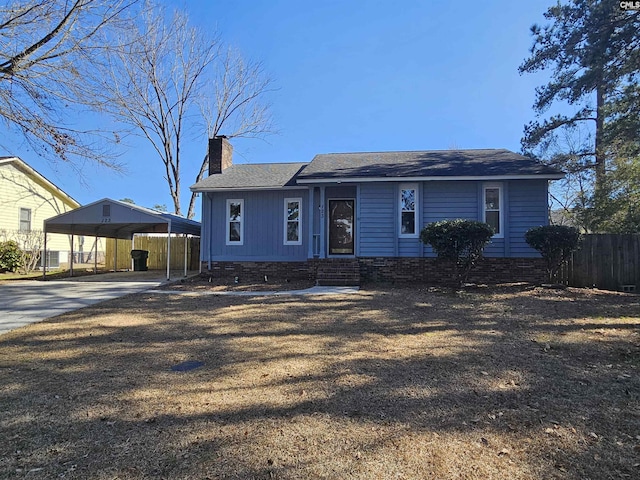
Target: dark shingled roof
261	175
330	167
429	163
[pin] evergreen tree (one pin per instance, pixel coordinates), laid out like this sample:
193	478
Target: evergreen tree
592	49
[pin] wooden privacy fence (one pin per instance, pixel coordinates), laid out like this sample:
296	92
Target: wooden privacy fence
157	248
607	261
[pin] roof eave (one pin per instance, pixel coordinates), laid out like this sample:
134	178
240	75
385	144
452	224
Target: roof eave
42	180
241	189
547	176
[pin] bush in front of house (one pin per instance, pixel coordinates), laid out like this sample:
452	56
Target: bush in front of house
555	243
458	241
10	256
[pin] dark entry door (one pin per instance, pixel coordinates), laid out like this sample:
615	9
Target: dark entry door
341	227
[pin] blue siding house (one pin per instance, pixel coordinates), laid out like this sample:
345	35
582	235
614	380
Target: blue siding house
345	216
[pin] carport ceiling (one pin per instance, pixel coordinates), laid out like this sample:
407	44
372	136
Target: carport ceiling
114	219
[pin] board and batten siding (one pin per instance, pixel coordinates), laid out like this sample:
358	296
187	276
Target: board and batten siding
524	206
263	238
447	201
528	208
20	190
378	215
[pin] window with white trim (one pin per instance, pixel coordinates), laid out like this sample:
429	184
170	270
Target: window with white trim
235	222
293	221
408	209
53	259
492	207
25	219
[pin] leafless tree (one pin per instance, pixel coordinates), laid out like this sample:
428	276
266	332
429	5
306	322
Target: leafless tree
570	193
234	105
31	244
47	50
170	80
153	82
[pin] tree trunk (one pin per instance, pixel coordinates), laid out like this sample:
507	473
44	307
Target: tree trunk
192	203
600	165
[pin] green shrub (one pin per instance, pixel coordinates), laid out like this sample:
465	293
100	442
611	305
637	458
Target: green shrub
458	241
555	243
10	256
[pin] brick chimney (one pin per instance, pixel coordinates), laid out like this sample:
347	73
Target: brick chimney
220	154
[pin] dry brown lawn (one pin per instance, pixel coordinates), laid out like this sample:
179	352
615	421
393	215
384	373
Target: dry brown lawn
389	383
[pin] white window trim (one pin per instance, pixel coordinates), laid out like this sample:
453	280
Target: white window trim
500	188
286	220
228	221
20	219
409	186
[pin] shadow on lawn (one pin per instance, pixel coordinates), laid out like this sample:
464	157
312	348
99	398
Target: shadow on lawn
551	379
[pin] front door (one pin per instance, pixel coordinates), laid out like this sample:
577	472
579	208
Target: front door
341	227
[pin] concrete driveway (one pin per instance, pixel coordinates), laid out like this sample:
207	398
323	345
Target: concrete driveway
28	301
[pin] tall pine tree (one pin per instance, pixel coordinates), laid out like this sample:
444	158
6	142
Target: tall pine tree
592	50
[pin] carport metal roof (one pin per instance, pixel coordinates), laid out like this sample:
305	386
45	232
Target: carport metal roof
115	219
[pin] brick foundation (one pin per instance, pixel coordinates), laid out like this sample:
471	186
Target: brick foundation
255	271
430	271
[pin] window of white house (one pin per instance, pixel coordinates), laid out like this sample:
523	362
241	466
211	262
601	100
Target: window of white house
53	260
408	210
235	222
293	221
25	219
492	199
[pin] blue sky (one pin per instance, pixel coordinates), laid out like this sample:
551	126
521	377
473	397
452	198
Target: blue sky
354	76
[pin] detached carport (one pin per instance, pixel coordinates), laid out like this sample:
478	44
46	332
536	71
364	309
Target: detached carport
113	219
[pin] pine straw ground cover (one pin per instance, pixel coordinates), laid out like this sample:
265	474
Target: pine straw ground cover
387	383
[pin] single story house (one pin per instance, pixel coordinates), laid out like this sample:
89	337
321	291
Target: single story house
347	216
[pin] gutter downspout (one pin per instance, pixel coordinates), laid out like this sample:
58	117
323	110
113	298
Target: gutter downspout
210	229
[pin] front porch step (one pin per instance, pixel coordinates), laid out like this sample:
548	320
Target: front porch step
338	272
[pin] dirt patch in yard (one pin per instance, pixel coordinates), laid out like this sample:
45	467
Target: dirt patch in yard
510	383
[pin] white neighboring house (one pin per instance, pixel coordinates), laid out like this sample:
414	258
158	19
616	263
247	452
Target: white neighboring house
26	199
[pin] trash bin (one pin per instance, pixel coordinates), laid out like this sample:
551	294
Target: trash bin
140	260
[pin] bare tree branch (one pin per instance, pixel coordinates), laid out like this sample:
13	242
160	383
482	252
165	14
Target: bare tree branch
47	50
152	85
235	106
170	77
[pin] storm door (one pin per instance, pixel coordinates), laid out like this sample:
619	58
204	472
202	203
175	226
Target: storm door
341	227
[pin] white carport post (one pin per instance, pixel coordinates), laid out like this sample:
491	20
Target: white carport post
71	258
185	254
95	254
133	247
44	260
169	251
